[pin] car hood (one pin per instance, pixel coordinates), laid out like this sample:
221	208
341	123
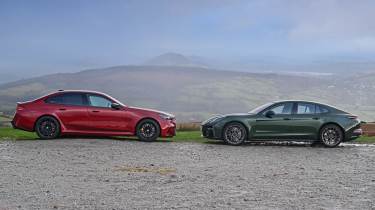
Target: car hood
152	111
239	115
217	118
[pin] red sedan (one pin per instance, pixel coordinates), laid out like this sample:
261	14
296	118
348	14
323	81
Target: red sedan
90	113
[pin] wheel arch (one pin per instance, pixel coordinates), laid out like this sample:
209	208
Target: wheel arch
48	115
332	123
247	128
147	118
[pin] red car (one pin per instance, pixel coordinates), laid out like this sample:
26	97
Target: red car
90	113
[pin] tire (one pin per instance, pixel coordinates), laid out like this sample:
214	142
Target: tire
234	134
331	135
47	128
148	130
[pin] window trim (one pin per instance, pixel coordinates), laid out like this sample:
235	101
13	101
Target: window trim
302	102
315	104
84	99
94	94
324	107
263	113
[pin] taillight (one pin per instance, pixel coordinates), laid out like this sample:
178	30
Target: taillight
20	108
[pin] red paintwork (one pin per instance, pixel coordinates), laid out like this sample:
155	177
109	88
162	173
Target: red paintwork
81	120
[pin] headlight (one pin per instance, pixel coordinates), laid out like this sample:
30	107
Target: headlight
166	116
213	120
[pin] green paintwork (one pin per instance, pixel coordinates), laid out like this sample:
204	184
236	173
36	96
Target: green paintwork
291	126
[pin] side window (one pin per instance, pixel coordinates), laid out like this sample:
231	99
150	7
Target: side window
99	101
321	109
284	108
55	99
305	108
67	99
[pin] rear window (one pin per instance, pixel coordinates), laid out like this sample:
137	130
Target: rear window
320	109
67	99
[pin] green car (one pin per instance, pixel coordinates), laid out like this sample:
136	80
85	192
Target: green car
285	120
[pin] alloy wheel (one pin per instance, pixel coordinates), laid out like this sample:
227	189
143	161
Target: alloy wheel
148	130
331	136
234	134
48	128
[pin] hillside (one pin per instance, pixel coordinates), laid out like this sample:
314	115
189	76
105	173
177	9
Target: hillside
194	93
175	59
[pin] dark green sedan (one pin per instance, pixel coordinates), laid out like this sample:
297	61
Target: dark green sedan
285	120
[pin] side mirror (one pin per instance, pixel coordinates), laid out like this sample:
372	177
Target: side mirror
270	114
115	106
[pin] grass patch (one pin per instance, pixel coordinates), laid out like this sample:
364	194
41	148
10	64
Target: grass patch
365	140
10	133
14	134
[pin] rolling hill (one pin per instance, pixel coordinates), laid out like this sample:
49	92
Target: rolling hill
176	59
194	93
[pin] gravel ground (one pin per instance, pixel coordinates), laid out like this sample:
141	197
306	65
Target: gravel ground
124	174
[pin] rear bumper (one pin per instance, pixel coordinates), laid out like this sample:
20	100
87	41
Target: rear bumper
13	124
353	133
22	123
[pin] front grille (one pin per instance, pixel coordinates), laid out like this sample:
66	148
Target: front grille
207	131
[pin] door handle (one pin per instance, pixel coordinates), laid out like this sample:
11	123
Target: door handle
286	118
95	111
62	109
315	118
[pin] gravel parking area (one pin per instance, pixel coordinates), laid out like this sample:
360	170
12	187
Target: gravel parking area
126	174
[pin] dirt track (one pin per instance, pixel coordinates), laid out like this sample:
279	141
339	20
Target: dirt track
113	174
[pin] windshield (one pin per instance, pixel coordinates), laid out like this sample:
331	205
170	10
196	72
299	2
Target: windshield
260	108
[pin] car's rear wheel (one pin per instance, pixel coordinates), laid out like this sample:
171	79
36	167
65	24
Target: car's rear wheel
47	128
234	134
331	135
148	130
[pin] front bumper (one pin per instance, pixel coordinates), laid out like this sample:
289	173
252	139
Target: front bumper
207	132
168	129
210	132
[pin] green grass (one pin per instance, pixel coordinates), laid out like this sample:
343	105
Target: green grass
14	134
365	140
182	136
10	133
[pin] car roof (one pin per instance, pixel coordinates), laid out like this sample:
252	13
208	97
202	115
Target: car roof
313	102
79	91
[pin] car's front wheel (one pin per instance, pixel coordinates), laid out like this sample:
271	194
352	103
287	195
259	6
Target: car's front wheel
331	135
148	130
47	128
234	134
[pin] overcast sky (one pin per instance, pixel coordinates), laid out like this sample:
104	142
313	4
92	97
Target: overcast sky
41	36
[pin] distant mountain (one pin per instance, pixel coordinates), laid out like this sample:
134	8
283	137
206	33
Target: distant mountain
194	93
7	77
175	59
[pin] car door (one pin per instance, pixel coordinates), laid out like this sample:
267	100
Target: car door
71	110
277	126
104	118
307	120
